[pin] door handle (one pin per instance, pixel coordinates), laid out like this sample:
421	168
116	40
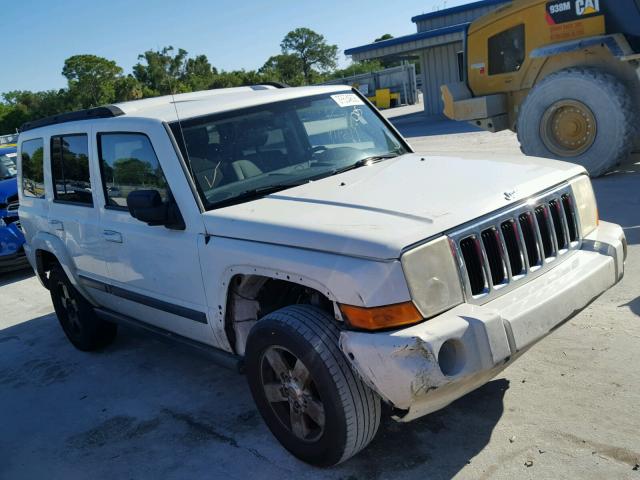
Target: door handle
57	225
112	236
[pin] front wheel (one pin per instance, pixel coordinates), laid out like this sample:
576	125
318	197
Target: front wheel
304	388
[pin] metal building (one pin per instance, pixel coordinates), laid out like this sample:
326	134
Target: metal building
438	45
400	80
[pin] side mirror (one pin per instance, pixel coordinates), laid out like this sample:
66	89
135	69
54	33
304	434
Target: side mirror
147	206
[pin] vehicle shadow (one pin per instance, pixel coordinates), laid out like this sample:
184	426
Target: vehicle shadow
8	278
634	306
436	446
420	124
618	195
148	408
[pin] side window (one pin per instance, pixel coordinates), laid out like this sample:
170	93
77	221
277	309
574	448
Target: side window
32	168
70	169
128	163
506	51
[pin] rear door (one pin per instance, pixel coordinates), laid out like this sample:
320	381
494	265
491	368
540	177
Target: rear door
73	216
154	272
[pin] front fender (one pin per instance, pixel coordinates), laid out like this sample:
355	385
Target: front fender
616	43
342	279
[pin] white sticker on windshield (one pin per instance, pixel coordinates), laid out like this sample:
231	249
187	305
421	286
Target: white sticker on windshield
347	99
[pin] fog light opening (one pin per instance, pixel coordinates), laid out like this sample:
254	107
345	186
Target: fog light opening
451	357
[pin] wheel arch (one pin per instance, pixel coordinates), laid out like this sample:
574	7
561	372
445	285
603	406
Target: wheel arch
49	250
250	293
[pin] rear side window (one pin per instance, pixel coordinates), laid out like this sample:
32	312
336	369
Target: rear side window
32	168
506	51
128	163
70	169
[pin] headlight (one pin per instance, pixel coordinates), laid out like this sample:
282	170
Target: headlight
586	206
432	276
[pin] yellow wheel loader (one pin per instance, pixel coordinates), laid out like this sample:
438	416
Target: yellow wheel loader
563	74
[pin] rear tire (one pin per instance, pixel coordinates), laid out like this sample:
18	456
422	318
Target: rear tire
77	318
323	415
579	115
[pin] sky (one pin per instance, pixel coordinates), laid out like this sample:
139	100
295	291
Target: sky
38	35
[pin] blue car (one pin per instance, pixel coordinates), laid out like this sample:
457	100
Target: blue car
11	238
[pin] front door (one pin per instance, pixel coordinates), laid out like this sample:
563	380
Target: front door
154	272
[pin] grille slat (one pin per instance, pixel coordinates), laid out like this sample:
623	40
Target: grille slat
530	239
559	223
514	251
518	244
473	263
545	231
570	215
494	256
505	254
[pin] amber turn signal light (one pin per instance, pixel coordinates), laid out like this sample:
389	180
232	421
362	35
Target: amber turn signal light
378	318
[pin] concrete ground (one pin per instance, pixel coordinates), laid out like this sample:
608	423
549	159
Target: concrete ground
148	409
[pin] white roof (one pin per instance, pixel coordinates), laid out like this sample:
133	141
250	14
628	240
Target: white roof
214	101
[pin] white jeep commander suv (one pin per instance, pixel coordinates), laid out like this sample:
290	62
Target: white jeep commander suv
294	234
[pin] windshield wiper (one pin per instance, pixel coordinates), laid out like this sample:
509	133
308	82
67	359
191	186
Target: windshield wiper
364	162
257	193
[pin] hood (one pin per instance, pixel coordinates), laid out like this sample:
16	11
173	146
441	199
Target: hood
378	210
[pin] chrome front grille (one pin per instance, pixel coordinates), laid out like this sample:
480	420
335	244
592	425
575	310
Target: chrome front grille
497	253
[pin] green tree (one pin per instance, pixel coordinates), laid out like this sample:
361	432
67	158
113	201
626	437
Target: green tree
236	78
198	73
132	171
356	68
313	51
23	106
161	73
283	68
91	79
127	88
386	36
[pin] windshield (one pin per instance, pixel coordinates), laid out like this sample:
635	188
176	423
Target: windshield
8	167
241	155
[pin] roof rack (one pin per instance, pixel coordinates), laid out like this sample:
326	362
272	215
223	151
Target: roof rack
107	111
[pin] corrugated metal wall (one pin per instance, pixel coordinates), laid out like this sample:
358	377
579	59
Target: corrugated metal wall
453	19
439	66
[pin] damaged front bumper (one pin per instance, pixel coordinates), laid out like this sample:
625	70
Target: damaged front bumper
425	367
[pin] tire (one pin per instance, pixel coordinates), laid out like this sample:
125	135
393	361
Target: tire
77	318
609	104
307	336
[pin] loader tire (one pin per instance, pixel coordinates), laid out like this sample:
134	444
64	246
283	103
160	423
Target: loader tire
579	115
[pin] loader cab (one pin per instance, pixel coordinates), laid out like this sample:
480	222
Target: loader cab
500	43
